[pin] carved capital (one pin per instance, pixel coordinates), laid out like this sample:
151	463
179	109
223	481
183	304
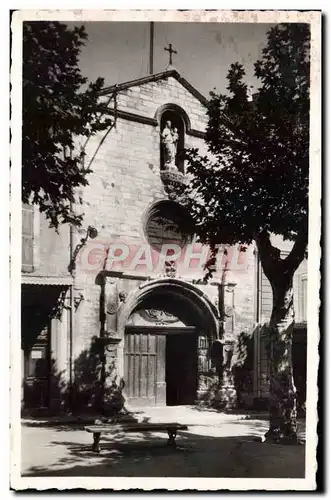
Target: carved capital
172	181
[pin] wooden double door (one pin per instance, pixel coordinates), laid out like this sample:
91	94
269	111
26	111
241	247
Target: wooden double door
160	368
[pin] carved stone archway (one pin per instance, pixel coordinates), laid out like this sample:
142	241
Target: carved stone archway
193	296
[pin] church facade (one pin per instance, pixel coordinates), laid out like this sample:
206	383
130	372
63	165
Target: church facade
123	299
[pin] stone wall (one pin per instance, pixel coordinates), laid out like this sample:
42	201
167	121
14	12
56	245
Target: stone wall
124	184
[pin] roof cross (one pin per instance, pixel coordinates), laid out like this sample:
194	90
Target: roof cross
171	51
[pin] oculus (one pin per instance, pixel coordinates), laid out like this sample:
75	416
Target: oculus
168	222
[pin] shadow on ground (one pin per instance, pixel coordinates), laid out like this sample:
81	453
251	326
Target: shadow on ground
198	454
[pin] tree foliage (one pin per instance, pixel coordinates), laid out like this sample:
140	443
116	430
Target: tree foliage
257	179
255	182
58	106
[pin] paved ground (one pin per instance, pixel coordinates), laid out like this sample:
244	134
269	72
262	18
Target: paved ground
216	445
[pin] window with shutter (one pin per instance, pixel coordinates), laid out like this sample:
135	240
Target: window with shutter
303	297
27	238
265	298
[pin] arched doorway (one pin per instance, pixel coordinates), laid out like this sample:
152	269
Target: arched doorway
166	323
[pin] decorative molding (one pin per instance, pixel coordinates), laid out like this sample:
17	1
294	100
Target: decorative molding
196	133
132	117
109	343
191	89
172	176
172	180
170	269
111	296
163	75
175	286
111	307
161	329
146	120
120	274
159	316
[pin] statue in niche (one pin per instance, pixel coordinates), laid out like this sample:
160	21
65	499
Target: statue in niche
169	138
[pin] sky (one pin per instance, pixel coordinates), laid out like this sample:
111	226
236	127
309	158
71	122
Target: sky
119	51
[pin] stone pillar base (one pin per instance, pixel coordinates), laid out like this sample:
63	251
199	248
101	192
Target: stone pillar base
226	397
113	401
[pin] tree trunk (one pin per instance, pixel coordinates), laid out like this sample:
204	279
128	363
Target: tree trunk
283	394
283	401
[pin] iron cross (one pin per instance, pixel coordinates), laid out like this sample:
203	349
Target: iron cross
171	51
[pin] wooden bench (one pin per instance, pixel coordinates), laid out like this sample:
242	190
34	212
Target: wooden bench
170	428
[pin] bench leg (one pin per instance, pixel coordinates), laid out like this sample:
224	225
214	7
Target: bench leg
96	441
172	438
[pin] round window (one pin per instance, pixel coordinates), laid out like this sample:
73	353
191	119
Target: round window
168	222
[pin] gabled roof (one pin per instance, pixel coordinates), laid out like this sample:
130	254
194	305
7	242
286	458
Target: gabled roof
153	78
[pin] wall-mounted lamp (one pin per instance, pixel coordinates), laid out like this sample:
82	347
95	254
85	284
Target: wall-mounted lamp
91	232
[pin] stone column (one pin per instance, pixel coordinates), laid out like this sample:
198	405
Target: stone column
207	374
109	296
113	400
227	395
110	302
227	391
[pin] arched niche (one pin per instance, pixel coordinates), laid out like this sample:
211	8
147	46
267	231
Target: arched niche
179	121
